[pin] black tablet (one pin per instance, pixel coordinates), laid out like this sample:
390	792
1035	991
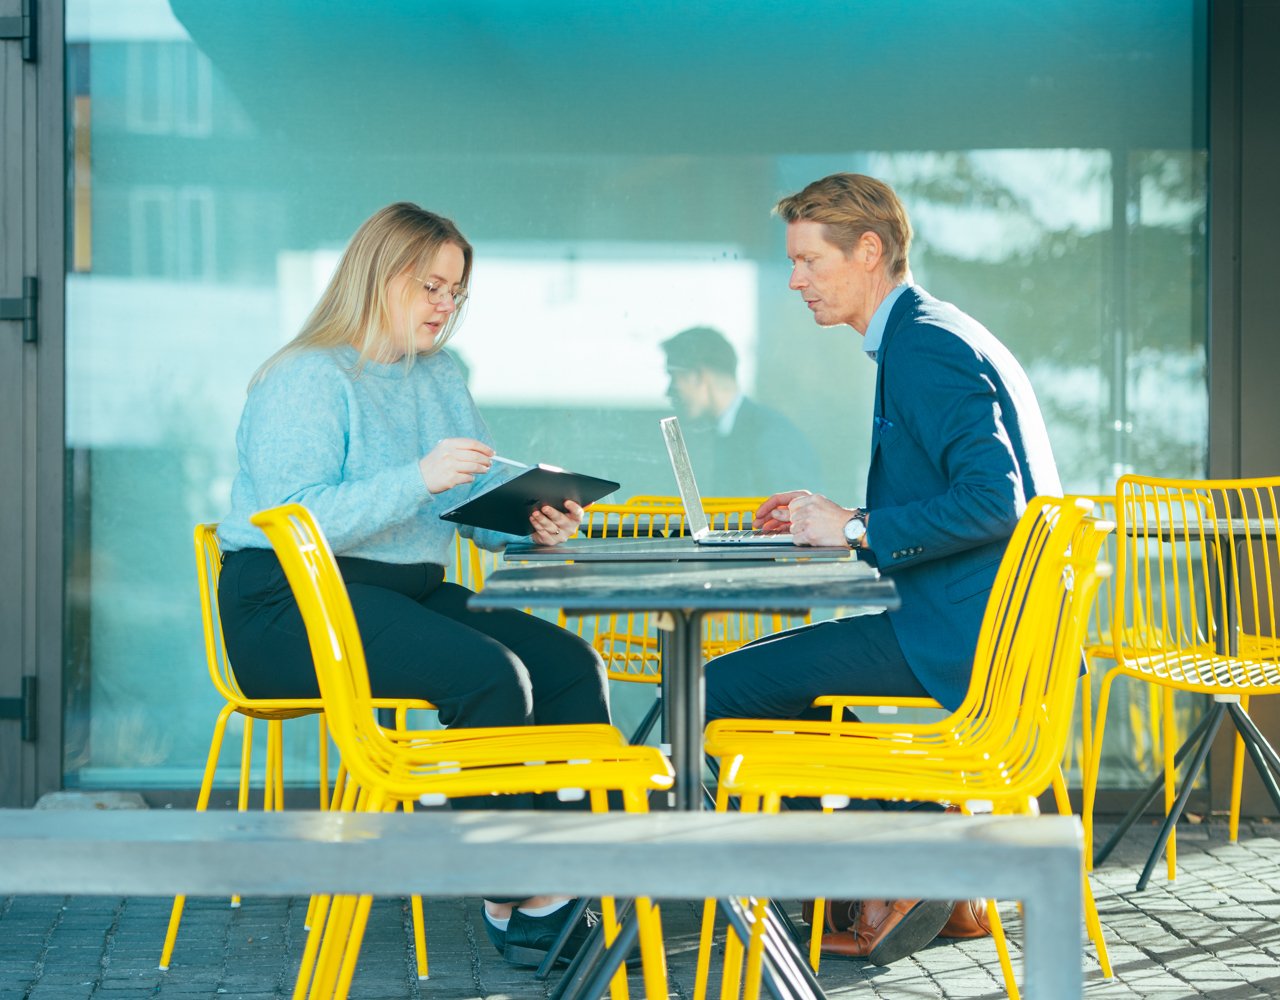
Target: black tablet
507	506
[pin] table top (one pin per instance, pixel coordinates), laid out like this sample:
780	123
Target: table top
679	549
1238	527
779	586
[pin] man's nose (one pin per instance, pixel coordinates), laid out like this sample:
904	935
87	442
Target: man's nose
796	282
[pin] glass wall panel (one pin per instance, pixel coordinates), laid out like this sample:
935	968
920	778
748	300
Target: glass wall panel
614	165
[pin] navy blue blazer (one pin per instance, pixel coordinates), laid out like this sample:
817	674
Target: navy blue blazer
958	447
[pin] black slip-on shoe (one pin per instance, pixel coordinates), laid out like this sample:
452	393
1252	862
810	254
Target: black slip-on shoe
528	939
497	936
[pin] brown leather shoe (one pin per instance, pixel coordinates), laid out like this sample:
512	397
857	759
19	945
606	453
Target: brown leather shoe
889	929
837	914
968	920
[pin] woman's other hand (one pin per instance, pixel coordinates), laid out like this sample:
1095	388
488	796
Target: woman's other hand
551	526
454	461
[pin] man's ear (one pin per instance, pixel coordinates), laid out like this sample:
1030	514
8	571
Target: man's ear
869	249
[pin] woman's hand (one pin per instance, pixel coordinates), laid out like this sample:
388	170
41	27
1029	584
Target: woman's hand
551	526
454	461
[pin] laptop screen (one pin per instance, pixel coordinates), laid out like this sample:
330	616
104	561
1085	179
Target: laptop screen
685	483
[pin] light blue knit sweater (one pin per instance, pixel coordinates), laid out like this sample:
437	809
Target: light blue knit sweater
347	446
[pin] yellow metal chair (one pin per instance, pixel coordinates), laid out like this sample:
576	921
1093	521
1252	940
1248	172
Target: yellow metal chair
1003	745
388	769
1148	717
273	711
1198	562
628	642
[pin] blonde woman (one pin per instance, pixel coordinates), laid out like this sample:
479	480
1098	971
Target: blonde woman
365	420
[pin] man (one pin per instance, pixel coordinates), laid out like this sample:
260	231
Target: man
958	447
742	448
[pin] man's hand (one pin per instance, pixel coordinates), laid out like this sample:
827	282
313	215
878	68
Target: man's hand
772	514
814	519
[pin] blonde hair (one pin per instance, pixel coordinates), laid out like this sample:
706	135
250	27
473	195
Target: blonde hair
353	307
849	205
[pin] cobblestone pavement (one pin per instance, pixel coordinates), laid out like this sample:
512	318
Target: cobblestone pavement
1215	932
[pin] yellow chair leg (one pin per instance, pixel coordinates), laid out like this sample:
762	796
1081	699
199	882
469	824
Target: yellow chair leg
703	972
731	975
351	947
246	763
815	933
1002	949
323	748
419	937
1170	778
609	917
1094	926
317	913
1086	719
333	946
1090	783
419	933
275	766
755	951
653	955
1237	781
202	803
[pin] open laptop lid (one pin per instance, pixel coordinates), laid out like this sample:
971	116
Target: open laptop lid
695	517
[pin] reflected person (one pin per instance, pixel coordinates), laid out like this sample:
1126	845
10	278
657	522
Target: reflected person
740	447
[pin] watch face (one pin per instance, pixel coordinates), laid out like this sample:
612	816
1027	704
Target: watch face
854	529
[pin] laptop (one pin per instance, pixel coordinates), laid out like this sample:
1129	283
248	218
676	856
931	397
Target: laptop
695	516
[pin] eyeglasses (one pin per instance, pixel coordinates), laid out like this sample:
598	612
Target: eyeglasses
436	291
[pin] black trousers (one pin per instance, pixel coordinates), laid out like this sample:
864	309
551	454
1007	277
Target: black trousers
480	668
778	676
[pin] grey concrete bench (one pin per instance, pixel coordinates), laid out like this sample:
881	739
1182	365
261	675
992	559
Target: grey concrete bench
665	855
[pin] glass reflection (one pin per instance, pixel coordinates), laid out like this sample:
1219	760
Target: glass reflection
217	170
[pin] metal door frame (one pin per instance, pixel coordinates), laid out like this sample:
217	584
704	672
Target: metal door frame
32	238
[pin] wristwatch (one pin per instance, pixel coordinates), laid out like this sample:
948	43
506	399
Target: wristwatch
855	529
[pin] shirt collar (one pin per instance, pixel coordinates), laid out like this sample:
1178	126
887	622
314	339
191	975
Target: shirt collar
724	425
880	320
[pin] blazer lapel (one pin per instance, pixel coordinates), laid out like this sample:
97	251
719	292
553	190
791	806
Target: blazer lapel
904	307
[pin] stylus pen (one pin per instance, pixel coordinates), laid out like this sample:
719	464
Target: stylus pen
509	461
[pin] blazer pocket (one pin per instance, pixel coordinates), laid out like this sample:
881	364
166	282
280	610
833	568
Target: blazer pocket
973	582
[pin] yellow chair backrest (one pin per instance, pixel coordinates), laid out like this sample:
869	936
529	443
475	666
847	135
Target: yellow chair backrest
1009	735
332	632
208	570
1183	579
1028	656
1045	528
221	672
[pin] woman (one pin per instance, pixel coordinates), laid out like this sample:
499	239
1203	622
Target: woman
365	420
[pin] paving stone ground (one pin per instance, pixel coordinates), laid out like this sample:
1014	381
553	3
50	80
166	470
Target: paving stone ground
1214	932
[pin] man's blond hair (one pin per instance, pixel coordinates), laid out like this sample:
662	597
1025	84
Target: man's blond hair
849	205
